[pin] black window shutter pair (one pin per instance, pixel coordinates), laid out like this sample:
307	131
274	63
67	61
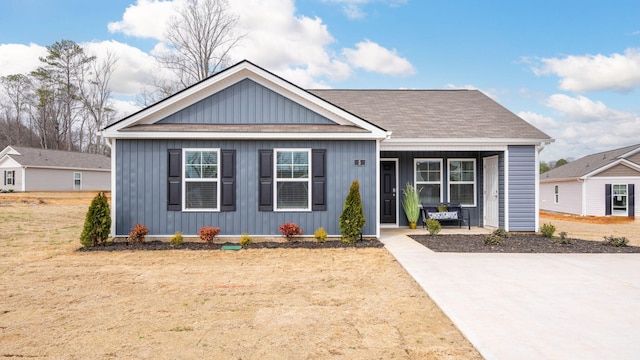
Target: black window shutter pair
631	199
318	180
227	180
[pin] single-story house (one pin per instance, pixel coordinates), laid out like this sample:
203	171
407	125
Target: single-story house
31	169
595	185
247	150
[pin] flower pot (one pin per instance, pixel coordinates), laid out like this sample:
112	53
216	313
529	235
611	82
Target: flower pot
412	225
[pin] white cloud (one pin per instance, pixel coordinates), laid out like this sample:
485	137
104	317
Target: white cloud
616	72
539	121
583	108
585	126
145	19
20	59
374	58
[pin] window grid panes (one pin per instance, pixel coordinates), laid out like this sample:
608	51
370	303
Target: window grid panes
462	182
292	179
11	177
77	180
428	180
201	179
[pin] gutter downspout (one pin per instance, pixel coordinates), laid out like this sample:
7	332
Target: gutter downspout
583	194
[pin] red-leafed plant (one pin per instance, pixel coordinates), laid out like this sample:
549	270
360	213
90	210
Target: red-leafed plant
138	234
208	233
289	229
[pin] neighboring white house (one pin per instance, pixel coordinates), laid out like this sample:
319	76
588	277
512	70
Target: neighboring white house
31	169
596	185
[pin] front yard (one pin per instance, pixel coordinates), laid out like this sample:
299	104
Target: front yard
250	304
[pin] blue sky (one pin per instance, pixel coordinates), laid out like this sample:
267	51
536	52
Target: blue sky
571	68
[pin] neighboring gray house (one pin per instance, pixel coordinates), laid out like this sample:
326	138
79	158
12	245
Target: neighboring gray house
31	169
247	151
597	185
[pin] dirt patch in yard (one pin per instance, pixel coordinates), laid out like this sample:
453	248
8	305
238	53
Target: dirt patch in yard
594	227
251	304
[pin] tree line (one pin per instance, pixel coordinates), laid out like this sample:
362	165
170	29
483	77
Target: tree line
65	102
546	166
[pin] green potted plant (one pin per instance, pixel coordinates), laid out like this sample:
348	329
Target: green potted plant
411	205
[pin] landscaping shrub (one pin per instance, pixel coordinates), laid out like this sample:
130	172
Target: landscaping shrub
433	226
137	234
177	239
493	239
501	232
208	233
290	229
616	241
97	223
245	239
320	235
11	190
564	240
352	219
548	230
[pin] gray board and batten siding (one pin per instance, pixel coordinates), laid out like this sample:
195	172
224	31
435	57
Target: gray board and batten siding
522	188
246	102
142	188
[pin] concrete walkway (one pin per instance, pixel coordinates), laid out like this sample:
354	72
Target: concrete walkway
532	306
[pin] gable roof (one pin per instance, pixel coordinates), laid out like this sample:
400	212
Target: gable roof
435	114
144	123
593	164
60	159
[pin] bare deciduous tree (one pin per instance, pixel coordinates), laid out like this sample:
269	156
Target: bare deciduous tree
200	38
96	98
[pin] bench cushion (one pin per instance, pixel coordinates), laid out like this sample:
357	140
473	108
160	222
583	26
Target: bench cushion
444	215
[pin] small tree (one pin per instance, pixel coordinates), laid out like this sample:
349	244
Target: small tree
352	218
97	223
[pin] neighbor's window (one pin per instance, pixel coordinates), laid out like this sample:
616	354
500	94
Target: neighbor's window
10	177
555	199
201	179
77	181
292	181
428	180
462	181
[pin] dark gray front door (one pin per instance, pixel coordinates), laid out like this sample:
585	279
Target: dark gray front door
388	200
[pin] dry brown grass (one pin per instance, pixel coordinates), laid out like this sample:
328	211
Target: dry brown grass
594	227
251	304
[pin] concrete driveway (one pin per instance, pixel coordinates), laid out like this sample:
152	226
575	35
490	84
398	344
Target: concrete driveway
533	306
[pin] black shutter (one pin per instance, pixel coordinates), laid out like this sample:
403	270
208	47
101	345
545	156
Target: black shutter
174	176
228	180
319	180
265	186
607	199
5	177
631	196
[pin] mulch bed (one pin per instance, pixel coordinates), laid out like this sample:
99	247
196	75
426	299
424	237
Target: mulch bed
516	243
165	245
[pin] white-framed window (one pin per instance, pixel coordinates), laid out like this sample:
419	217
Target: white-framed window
556	192
619	199
462	181
292	181
201	179
428	180
10	177
77	181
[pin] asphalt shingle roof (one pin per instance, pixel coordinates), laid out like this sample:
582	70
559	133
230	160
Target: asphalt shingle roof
433	114
587	164
60	159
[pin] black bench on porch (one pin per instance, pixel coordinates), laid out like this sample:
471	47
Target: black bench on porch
445	212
